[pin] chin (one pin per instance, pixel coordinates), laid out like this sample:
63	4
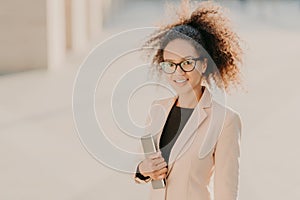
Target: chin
183	90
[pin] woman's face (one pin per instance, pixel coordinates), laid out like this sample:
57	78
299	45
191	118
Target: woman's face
177	51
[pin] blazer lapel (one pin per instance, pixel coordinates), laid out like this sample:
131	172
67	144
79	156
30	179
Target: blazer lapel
185	138
197	117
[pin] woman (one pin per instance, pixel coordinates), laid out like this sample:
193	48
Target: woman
200	138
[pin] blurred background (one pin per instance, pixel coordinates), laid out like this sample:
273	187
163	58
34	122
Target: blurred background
43	43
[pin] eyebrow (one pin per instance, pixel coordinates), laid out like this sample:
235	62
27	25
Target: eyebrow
181	58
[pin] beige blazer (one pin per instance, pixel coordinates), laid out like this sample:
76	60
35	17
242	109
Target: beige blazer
206	153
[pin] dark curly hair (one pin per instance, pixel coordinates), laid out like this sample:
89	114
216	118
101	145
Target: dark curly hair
206	27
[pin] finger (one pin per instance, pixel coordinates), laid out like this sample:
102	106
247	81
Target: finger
159	177
163	171
160	166
151	166
155	155
162	176
158	160
160	172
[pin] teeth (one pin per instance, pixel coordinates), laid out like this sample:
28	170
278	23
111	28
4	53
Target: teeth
180	81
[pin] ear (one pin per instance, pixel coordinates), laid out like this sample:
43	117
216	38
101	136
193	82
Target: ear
204	65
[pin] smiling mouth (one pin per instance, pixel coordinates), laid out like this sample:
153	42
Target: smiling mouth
180	81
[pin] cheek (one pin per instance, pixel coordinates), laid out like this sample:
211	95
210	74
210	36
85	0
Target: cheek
168	77
195	77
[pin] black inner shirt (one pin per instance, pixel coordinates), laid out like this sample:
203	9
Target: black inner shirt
176	120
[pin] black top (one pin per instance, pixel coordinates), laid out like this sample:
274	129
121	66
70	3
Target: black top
176	120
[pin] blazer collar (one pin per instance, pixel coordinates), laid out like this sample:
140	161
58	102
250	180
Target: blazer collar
197	117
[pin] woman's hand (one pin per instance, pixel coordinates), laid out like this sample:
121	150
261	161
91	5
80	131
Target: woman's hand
154	166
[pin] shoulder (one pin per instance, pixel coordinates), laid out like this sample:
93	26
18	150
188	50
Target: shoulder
231	116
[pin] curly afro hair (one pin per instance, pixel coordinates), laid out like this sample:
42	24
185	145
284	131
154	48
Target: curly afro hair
202	23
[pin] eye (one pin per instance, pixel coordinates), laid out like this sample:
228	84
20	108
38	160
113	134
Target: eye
187	62
165	64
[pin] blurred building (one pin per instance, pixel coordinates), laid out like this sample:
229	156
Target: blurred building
40	33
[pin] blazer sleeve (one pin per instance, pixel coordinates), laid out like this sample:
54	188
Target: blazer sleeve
227	159
138	177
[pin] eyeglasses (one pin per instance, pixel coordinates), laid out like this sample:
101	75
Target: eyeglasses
187	65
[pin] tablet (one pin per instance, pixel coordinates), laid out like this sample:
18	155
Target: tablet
149	148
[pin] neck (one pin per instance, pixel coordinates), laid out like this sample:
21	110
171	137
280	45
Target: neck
189	99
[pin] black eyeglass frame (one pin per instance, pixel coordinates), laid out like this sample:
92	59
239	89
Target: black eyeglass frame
179	64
